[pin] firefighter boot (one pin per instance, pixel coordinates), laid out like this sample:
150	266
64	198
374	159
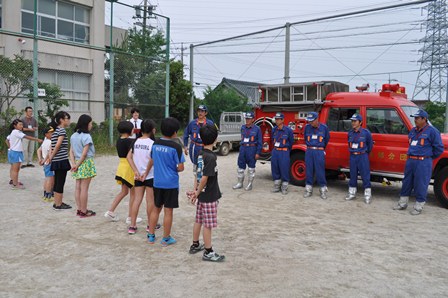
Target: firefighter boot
418	208
402	203
323	192
368	195
285	188
240	175
276	187
308	191
251	174
351	194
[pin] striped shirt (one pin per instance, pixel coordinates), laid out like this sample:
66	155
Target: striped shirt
62	153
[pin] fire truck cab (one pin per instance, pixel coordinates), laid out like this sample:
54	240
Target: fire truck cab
386	114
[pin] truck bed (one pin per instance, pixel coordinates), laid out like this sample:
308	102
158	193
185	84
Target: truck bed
229	137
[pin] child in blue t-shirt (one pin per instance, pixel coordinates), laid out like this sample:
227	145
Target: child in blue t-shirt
168	160
83	170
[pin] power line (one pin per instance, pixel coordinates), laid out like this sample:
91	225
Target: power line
317	32
385	50
263	20
325	18
326	51
317	38
209	62
363	74
432	82
312	49
255	60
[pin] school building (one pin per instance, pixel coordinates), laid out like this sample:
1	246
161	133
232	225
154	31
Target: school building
79	71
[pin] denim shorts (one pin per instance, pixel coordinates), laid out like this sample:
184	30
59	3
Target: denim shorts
47	170
15	156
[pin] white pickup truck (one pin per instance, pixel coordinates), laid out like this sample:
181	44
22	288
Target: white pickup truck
229	136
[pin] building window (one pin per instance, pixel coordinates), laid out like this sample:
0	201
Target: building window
75	86
57	19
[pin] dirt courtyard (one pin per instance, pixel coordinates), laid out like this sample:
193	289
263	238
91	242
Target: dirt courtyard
275	246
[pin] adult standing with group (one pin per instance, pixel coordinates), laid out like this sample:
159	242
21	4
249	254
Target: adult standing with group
425	144
192	133
316	138
136	122
360	144
250	149
30	126
283	139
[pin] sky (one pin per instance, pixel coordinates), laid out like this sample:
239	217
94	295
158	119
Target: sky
373	48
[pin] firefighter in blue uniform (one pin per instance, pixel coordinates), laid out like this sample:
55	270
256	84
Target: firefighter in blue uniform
316	139
359	145
250	149
283	139
192	132
425	144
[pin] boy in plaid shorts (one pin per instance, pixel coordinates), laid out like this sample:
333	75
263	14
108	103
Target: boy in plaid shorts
207	195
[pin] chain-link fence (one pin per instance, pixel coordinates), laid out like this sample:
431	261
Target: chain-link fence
56	55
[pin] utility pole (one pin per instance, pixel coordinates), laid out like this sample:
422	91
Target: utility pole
192	83
182	53
147	9
145	15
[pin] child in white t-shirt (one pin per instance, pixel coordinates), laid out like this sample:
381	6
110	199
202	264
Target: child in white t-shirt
141	156
43	153
15	152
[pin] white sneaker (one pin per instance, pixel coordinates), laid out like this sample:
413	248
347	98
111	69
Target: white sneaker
111	216
128	220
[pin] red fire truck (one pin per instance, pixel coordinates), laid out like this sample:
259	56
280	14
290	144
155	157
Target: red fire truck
386	114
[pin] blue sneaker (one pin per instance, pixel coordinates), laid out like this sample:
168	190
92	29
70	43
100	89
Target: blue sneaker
167	241
151	238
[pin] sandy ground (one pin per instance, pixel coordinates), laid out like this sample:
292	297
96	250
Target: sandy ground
275	246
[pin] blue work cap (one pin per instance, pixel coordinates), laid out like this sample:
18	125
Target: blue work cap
249	115
279	116
421	113
202	108
356	117
311	116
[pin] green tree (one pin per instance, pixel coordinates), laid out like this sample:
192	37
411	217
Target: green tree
180	93
224	100
15	78
139	72
436	111
53	101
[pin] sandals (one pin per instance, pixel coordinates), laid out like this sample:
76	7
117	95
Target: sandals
89	213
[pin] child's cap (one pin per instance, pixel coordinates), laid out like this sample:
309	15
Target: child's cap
48	129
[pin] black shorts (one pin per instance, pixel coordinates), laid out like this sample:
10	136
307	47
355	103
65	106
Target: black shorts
147	183
168	198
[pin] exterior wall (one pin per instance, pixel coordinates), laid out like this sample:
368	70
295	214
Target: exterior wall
61	57
118	35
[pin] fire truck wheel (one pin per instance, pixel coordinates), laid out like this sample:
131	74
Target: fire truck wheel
441	186
297	169
224	149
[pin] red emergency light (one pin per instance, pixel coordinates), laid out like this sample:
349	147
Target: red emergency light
393	88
